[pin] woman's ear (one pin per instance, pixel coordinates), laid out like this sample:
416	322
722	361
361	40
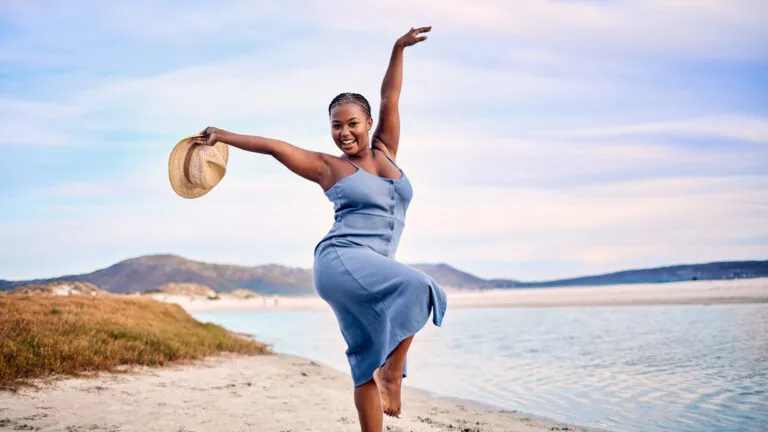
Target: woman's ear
370	124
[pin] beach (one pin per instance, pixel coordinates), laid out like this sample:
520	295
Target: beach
280	392
237	393
693	292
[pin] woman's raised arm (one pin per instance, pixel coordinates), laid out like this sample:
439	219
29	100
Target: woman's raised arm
388	130
311	165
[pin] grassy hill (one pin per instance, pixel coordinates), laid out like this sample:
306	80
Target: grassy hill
42	336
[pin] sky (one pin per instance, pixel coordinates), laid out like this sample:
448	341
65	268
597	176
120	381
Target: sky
544	139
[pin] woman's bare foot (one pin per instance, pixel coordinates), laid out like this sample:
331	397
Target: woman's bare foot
389	389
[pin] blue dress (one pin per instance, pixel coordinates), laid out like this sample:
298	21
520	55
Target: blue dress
378	301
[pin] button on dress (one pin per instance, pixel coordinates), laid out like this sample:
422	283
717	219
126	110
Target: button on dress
377	301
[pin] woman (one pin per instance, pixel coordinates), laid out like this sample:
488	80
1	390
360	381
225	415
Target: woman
380	304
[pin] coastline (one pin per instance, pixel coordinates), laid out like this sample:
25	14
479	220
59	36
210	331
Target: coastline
279	392
275	392
675	293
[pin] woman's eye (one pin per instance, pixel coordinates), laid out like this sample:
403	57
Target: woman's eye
353	124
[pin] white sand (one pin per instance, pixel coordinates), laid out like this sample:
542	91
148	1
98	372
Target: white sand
236	393
698	292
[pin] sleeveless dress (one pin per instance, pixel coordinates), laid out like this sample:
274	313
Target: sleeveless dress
377	301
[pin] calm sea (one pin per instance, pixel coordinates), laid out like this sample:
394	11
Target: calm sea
645	368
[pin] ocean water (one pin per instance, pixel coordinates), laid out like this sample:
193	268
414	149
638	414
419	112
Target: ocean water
644	368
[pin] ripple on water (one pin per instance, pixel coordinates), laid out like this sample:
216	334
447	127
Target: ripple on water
648	368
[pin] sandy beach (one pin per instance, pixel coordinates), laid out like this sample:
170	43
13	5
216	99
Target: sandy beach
694	292
236	393
287	393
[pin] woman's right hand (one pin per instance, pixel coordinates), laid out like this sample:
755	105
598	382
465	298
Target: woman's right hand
209	136
412	37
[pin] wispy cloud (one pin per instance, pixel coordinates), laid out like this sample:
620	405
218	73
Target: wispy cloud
709	28
544	138
739	128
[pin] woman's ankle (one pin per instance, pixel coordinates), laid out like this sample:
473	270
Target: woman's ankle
391	370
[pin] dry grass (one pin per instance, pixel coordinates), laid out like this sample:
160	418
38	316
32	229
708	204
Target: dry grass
41	336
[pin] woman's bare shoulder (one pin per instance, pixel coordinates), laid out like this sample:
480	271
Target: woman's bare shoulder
378	145
338	168
333	161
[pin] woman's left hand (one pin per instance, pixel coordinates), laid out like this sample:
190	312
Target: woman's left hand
412	37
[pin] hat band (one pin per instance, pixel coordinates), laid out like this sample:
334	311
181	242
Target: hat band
188	161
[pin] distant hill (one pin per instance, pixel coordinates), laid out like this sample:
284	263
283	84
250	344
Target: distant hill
450	276
153	271
709	271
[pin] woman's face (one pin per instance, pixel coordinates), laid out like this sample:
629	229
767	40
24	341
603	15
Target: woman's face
349	128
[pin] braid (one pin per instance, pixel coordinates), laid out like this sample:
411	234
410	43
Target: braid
354	98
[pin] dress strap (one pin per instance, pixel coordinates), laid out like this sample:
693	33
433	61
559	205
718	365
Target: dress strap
385	155
353	164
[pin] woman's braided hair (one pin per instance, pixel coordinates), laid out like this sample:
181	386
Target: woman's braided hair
354	98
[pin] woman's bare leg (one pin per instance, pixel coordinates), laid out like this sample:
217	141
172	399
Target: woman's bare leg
389	379
369	407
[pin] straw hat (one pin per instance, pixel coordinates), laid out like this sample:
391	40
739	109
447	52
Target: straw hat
194	169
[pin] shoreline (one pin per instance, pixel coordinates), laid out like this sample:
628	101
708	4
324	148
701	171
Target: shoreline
737	291
279	392
273	392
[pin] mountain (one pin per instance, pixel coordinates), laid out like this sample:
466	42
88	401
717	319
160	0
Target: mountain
709	271
449	276
153	271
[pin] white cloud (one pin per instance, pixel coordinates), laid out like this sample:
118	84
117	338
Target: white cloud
250	95
707	28
30	123
262	213
516	157
455	156
287	86
741	128
158	20
620	225
711	28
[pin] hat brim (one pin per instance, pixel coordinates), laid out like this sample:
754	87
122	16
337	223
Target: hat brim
183	187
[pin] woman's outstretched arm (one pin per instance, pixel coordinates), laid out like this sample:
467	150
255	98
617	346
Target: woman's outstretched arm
388	130
311	165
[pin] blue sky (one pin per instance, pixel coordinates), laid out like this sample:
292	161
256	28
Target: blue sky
544	139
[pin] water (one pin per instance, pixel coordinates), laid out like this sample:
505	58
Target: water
645	368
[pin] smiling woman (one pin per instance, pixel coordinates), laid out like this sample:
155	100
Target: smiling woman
379	302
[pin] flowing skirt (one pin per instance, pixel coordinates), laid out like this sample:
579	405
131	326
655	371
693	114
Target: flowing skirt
378	302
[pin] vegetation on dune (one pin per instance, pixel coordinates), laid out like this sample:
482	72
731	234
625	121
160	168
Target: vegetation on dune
41	336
